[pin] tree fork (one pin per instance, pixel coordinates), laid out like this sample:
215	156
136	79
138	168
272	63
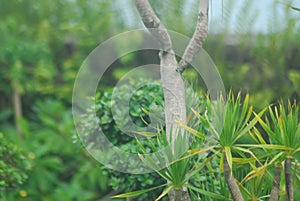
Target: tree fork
172	82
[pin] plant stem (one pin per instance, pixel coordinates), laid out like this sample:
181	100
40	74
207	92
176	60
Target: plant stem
16	96
185	195
231	183
274	196
288	179
179	195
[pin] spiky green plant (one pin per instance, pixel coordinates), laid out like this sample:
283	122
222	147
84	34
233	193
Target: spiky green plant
283	128
273	155
227	121
178	171
231	120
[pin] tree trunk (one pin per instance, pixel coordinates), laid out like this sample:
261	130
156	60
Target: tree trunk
178	195
173	87
16	97
182	195
288	179
274	196
170	70
231	182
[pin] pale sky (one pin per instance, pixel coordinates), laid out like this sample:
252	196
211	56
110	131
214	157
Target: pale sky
231	17
263	10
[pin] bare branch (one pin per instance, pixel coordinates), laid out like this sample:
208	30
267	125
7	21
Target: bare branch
172	82
198	38
152	22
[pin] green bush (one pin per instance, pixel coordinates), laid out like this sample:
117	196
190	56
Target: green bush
14	165
61	170
141	105
146	97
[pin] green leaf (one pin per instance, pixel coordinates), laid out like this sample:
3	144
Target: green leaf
228	155
250	125
243	160
145	134
207	193
137	193
289	6
194	152
191	130
148	160
165	192
295	8
264	125
243	189
256	136
200	166
266	146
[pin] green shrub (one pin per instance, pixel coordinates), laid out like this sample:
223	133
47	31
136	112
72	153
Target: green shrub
146	97
61	170
142	106
13	165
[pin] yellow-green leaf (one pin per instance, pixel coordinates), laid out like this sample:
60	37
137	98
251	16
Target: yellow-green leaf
228	156
191	130
137	193
165	192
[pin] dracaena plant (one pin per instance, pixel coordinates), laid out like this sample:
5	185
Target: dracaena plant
237	122
271	156
179	167
181	162
228	121
283	129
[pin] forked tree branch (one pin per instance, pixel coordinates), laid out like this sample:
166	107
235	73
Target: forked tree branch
198	38
172	82
152	22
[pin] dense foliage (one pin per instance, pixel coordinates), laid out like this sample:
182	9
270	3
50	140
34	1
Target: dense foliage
13	165
132	101
43	44
246	158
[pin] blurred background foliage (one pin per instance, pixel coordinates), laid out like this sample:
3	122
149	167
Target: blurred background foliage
42	45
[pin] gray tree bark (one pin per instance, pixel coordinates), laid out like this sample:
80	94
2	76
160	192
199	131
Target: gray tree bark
16	97
172	82
231	182
274	196
199	36
288	179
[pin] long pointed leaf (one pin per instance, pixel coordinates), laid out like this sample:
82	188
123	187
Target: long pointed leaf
145	134
228	156
191	130
199	167
266	146
207	193
250	125
137	193
165	192
149	161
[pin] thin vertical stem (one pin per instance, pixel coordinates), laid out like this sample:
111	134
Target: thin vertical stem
274	196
